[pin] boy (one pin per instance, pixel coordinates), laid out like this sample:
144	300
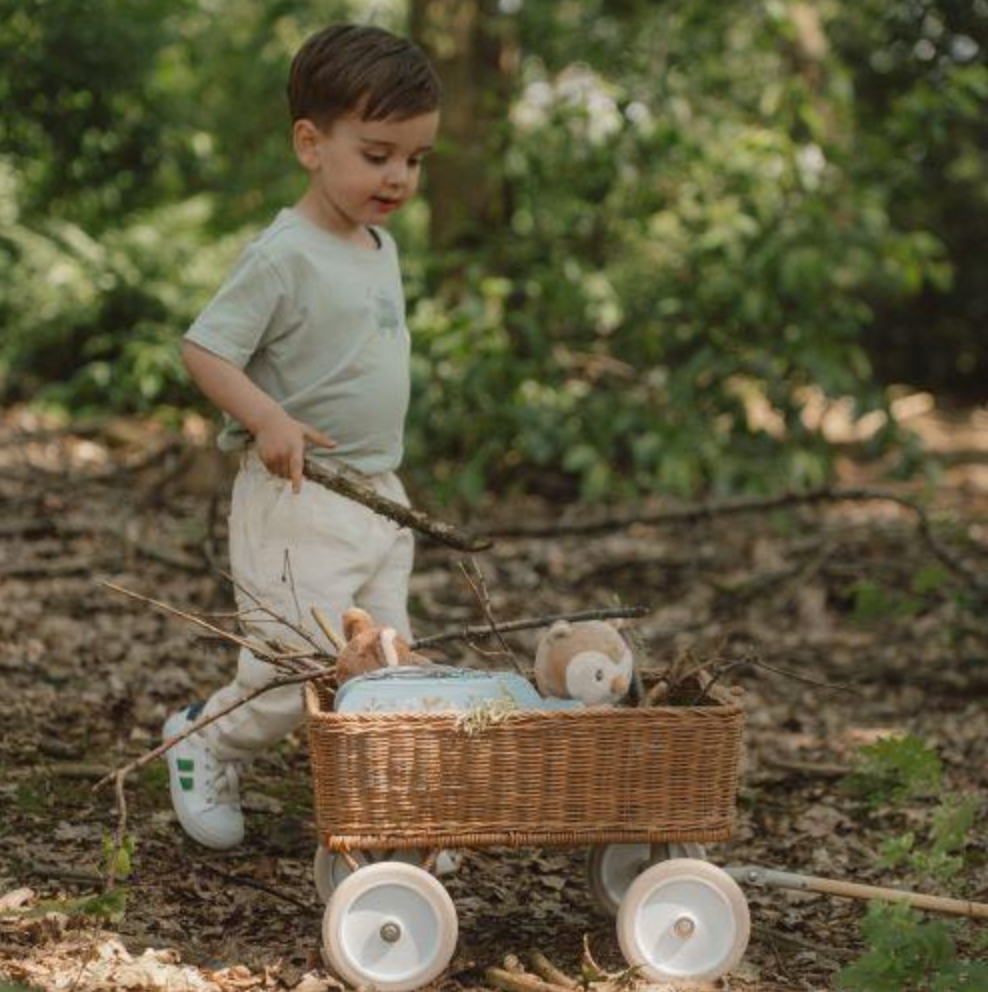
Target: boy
306	342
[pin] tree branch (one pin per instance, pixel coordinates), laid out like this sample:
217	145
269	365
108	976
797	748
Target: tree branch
471	633
730	507
346	484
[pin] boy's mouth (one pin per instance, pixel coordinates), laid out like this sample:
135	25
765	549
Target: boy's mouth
383	203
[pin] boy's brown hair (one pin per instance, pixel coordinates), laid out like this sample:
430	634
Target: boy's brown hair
351	68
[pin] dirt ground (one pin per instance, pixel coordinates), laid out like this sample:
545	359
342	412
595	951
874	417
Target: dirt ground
828	593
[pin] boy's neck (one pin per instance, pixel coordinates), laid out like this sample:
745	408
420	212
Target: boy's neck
325	215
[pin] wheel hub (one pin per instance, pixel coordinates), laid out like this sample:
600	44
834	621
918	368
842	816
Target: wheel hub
390	932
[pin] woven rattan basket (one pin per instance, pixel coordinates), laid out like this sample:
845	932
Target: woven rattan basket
413	780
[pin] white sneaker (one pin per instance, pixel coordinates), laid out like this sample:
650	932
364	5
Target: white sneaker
205	791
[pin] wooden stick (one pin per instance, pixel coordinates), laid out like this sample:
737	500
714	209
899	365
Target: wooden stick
773	878
918	900
548	971
511	982
347	485
335	638
513	964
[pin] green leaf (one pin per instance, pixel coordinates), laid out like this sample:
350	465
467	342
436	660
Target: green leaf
893	770
929	579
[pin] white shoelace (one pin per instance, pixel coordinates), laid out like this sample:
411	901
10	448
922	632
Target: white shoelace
222	783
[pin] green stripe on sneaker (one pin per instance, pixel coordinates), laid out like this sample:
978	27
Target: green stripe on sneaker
186	764
185	783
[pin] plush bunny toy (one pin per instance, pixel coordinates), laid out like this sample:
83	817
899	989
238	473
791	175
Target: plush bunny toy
588	661
369	647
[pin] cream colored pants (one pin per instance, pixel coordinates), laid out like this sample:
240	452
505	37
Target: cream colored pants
293	552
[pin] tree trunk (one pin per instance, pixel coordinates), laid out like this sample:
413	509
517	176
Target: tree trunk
471	45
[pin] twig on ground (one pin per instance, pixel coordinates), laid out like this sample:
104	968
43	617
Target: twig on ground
815	769
793	941
120	832
251	883
721	508
510	981
548	971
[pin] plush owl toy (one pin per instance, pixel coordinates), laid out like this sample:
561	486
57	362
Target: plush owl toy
587	661
369	647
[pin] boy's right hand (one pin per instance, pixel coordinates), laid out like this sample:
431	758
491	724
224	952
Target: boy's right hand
281	446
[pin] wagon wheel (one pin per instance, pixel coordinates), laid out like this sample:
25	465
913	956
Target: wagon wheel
330	868
390	925
684	919
611	868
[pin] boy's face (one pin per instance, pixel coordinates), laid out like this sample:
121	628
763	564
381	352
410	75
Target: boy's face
361	171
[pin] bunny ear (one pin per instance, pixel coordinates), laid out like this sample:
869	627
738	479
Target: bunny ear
354	621
559	629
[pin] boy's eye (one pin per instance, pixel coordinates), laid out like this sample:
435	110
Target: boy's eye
375	159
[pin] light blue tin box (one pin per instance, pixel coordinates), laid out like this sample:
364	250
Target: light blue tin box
438	689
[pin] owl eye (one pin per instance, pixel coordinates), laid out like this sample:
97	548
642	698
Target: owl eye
599	675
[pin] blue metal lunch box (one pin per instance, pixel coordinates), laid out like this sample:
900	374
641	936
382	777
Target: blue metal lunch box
439	688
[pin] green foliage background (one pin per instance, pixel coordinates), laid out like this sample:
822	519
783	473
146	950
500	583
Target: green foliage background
712	210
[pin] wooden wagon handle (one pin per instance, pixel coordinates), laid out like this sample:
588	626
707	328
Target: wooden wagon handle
755	875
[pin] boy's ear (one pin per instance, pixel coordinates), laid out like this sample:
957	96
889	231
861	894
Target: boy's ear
305	141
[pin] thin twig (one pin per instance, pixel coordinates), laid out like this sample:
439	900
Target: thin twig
252	883
725	667
529	623
837	687
274	616
205	721
291	583
479	589
260	650
332	635
120	833
721	508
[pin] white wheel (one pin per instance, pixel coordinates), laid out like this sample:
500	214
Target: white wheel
390	925
684	919
611	868
331	868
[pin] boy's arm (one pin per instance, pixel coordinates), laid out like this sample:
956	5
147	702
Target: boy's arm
280	439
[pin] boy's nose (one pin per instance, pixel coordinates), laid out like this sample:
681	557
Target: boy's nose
398	174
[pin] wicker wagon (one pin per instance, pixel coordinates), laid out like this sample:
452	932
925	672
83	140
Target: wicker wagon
394	792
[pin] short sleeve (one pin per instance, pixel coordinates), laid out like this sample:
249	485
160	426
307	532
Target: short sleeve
236	321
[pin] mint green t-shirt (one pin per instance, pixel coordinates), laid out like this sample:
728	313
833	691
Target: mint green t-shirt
318	323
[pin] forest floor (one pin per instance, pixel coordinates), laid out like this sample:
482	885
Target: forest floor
840	594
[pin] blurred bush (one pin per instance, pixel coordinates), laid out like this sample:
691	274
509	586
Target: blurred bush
713	208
